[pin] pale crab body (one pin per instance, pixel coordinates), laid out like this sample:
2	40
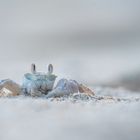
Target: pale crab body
38	83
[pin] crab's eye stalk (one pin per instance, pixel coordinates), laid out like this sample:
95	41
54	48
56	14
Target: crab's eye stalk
50	69
33	68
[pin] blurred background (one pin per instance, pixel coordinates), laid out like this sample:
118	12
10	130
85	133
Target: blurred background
95	42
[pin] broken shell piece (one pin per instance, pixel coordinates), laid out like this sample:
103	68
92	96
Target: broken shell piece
86	90
64	87
38	83
108	99
9	88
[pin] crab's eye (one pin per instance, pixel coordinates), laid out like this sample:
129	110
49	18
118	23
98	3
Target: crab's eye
50	68
33	68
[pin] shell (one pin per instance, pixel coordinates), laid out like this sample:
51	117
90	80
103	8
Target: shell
67	87
37	83
9	88
64	87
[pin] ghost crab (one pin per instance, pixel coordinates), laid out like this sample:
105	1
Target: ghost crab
38	83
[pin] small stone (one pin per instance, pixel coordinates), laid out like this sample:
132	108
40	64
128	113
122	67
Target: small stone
9	88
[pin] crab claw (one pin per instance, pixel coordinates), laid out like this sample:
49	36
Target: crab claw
33	68
50	69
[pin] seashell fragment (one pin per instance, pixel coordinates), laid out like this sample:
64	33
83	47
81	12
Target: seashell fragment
38	83
9	88
86	90
64	87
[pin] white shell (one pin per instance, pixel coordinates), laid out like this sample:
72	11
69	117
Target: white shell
64	87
